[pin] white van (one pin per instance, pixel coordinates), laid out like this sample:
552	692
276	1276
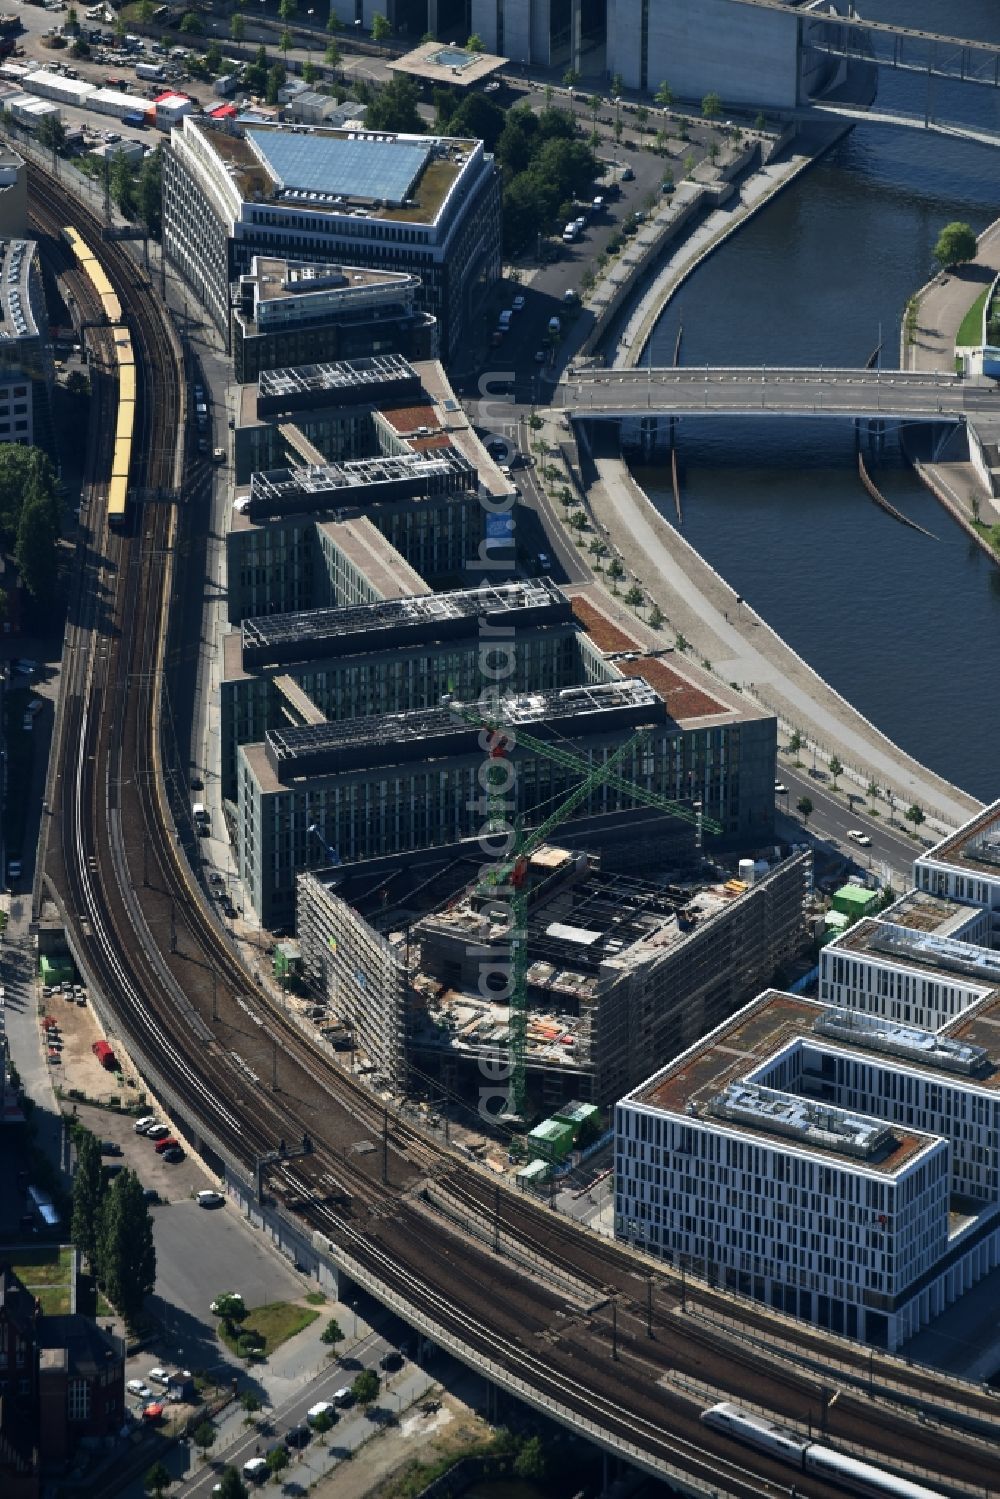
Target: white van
200	812
256	1470
322	1408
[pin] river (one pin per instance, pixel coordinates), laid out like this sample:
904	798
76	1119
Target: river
899	624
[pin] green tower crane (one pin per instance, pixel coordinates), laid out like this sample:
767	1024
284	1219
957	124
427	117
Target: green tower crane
504	886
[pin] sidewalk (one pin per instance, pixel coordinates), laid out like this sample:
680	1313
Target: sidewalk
944	302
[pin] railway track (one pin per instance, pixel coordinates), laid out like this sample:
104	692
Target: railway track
244	1078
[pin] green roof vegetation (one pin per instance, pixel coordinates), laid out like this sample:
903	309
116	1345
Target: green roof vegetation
970	333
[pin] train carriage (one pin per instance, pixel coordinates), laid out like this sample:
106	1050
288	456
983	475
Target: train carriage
125	359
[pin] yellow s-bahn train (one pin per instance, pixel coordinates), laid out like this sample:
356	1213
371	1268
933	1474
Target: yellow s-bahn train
122	340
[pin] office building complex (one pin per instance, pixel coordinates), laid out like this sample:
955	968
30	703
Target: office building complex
289	312
749	55
423	206
375	440
382	784
395	655
840	1157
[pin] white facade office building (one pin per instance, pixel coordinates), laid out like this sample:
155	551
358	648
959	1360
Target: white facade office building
846	1175
840	1158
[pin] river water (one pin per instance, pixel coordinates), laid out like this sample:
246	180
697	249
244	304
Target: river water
906	628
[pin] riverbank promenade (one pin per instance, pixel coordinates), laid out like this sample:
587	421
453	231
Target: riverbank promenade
742	649
943	303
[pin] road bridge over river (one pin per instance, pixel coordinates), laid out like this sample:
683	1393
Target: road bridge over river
795	391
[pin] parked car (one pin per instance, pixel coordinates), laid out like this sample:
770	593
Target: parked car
174	1155
138	1388
209	1199
110	1147
157	1131
169	1143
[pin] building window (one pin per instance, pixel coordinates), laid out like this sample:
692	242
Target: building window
79	1400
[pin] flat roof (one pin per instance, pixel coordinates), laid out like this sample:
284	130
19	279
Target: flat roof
457	66
946	958
418	724
313	633
385	376
380	168
922	912
697	1084
690	695
357	184
364	481
976	845
277	278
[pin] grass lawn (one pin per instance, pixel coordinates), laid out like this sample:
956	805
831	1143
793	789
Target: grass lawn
971	330
43	1267
990	534
316	1298
54	1299
275	1323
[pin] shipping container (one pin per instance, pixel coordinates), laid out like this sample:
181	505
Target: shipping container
102	1051
54	86
109	101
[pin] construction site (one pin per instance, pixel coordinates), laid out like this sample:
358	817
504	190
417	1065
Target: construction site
611	974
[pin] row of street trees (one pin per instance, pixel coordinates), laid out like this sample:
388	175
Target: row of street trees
112	1228
30	517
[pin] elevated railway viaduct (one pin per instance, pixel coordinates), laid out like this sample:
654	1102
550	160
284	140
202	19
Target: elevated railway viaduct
592	1332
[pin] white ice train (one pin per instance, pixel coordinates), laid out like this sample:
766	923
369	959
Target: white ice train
812	1457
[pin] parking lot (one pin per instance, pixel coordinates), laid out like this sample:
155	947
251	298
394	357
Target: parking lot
172	1183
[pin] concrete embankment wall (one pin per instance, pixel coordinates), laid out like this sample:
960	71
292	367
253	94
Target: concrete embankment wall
691	201
657	297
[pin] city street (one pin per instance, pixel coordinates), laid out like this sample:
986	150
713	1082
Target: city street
831	819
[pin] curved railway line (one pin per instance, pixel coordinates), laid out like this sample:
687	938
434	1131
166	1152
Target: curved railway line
241	1076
